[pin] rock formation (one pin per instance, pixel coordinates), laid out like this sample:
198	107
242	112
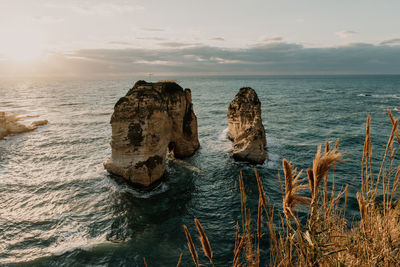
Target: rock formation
3	127
245	127
9	124
150	120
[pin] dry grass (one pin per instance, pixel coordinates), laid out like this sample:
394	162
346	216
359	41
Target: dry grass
325	239
205	244
179	261
191	246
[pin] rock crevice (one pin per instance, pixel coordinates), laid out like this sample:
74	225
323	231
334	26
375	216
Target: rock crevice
245	127
150	120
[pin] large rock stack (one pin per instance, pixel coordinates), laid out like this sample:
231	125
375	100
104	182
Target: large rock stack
150	120
245	127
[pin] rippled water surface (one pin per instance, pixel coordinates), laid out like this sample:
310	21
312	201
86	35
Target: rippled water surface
59	207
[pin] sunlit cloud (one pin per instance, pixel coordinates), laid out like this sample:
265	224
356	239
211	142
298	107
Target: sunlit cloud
194	58
280	47
178	44
121	43
272	39
267	41
152	38
153	29
156	62
268	58
225	61
395	41
273	58
217	39
345	34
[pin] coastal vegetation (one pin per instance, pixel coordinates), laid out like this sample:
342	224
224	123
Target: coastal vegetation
326	237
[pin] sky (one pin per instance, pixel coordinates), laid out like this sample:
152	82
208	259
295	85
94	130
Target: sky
193	37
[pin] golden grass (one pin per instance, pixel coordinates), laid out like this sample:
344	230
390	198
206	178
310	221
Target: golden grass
204	241
191	246
326	238
292	187
179	261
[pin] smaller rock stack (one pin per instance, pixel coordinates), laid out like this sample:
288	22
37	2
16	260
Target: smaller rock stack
245	127
3	128
9	124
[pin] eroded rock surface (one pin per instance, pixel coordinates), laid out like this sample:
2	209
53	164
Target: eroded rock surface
9	124
245	127
150	120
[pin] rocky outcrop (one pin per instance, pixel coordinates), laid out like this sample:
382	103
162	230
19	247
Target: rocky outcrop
9	124
3	127
245	127
150	120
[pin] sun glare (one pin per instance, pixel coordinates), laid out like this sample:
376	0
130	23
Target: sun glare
21	46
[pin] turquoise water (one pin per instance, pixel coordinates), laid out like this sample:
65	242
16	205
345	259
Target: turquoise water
59	207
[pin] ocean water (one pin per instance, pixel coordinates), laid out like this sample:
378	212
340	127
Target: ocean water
58	207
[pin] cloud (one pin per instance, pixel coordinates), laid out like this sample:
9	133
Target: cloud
106	8
194	58
121	43
153	29
156	62
263	41
395	41
345	34
178	44
270	58
217	39
225	61
152	38
272	39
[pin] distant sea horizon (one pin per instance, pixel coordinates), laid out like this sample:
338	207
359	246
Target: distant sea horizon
154	76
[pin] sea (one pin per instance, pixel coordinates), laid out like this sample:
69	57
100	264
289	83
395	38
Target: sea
59	207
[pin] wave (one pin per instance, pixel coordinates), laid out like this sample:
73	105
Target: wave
185	164
159	189
224	135
221	143
364	95
69	244
379	96
81	243
71	104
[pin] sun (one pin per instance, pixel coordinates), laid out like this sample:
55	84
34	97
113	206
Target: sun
21	45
